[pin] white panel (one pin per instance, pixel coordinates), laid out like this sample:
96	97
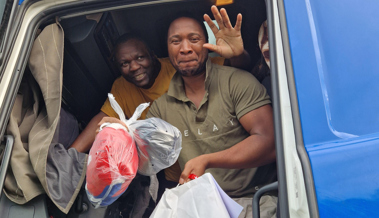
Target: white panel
297	199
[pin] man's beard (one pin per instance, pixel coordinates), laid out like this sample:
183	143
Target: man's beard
193	71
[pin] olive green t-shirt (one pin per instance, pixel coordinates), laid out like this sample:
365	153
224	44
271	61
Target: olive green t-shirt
230	94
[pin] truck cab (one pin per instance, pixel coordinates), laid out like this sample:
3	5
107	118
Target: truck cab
322	80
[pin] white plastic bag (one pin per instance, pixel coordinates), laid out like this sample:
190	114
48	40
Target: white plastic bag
158	144
137	113
199	198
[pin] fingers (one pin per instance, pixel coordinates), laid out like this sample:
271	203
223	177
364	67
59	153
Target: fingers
210	23
211	47
184	176
196	166
221	50
111	120
217	16
222	18
238	22
225	18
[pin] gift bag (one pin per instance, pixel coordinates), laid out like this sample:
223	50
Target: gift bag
113	159
199	198
158	144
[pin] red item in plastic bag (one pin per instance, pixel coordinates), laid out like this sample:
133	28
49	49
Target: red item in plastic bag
112	165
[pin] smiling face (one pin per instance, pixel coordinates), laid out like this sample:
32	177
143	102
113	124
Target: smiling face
135	63
185	39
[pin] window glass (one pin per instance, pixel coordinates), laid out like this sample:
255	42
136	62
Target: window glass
211	37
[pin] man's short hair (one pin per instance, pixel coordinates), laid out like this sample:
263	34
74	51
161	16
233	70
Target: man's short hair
125	38
195	16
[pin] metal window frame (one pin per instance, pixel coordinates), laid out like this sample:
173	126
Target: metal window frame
304	158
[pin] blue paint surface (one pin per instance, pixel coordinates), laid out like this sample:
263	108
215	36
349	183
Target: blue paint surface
334	46
20	2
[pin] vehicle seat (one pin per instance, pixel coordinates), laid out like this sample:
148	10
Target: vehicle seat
35	208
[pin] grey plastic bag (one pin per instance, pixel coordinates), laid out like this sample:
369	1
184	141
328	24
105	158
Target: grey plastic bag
158	144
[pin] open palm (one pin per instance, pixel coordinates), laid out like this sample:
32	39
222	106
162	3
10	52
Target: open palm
228	39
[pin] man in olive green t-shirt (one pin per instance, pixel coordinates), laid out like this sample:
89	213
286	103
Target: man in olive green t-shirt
224	115
217	124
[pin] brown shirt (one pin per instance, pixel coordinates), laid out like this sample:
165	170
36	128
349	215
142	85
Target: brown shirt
230	94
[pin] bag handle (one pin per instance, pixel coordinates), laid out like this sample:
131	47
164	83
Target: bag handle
116	107
137	113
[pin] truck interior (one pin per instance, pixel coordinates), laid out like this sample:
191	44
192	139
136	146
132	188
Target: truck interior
88	72
89	40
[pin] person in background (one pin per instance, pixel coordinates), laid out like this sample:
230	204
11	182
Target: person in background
262	68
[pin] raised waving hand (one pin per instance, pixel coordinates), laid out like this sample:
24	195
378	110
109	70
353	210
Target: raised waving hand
229	42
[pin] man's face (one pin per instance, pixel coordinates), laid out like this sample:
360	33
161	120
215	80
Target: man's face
135	64
185	41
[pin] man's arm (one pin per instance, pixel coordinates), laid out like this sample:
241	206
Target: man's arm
229	43
84	141
256	150
241	61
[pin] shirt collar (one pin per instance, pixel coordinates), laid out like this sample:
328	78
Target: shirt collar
176	88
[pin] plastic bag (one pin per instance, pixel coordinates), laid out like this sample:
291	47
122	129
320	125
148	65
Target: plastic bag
112	165
158	143
112	161
201	197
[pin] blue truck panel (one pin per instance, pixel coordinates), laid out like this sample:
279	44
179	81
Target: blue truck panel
334	48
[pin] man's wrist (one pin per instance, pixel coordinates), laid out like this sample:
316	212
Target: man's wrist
242	54
241	61
205	160
209	160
